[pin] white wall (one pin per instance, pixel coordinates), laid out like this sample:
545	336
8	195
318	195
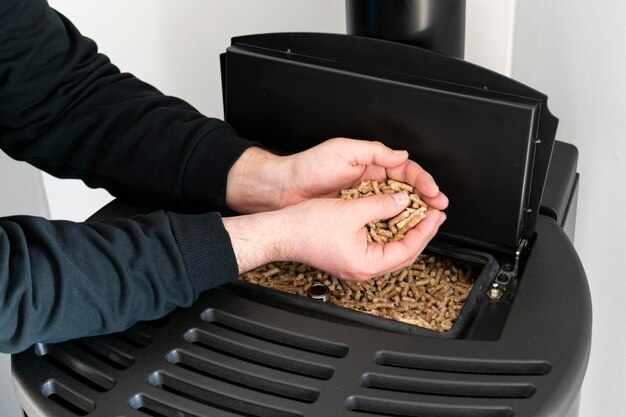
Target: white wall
574	50
489	33
21	189
175	46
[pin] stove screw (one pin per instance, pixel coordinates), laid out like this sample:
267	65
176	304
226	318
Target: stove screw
494	293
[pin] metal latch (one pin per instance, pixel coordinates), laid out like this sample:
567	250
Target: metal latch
508	271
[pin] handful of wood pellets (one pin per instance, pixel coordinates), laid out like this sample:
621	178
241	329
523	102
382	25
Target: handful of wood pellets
384	231
430	293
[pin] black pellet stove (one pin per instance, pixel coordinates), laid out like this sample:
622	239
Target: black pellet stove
523	344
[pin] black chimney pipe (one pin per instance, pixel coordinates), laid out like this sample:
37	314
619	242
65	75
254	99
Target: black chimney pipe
438	25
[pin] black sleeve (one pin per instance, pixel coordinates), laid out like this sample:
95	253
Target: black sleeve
61	280
67	110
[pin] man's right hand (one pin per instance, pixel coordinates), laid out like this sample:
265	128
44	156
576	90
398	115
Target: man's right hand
330	234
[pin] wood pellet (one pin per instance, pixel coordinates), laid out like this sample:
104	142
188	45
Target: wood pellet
387	230
430	293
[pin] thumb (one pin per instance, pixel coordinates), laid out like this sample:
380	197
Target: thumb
378	207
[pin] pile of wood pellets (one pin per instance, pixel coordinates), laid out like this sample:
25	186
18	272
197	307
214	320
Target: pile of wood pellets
384	231
430	293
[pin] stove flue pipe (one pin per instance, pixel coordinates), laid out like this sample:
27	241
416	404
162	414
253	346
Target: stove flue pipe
438	25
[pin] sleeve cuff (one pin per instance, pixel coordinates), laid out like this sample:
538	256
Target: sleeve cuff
204	182
206	250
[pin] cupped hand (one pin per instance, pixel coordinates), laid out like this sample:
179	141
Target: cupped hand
339	163
329	234
261	181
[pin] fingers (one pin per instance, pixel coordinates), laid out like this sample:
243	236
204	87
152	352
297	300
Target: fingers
416	239
392	256
373	152
440	202
380	162
412	173
424	184
378	207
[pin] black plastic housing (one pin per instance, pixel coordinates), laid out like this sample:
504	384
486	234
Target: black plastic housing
486	138
560	198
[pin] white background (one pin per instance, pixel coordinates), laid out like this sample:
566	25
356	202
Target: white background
575	52
566	49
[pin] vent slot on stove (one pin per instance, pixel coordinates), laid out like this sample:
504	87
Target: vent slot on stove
75	368
158	323
135	338
156	408
223	373
274	335
105	353
411	409
248	352
66	398
462	365
431	386
214	399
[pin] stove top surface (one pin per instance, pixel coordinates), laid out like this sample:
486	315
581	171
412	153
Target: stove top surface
234	355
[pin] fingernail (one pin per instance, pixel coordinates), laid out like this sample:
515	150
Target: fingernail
399	152
441	219
402	199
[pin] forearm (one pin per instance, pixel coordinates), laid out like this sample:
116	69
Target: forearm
67	110
62	280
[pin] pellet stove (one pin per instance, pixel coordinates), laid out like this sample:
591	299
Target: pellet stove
243	350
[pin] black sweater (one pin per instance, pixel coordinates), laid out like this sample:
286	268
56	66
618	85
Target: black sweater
67	110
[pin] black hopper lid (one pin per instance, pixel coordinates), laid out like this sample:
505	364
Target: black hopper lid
486	138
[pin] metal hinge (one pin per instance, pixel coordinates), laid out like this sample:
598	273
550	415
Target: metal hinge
508	271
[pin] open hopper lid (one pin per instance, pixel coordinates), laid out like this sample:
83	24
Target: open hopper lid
486	138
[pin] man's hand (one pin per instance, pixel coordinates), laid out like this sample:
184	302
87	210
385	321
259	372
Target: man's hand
329	234
261	181
326	169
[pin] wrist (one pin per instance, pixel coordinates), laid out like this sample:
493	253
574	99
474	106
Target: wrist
257	239
255	182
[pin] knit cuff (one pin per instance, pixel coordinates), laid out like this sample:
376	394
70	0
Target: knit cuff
206	173
206	249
